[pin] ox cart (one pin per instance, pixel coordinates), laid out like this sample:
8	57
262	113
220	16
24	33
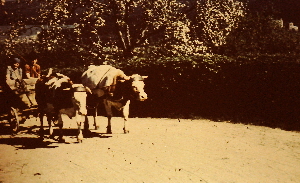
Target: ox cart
17	102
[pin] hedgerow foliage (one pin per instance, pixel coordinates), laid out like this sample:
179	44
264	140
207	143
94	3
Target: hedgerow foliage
260	90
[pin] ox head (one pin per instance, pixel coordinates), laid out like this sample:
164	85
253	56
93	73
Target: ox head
137	85
79	98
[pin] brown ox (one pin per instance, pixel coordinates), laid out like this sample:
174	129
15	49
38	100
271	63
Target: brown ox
132	89
57	97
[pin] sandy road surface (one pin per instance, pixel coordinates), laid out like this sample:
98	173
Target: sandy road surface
155	150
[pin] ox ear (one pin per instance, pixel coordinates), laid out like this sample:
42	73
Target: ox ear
144	77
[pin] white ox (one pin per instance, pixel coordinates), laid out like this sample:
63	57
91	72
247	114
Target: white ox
99	77
57	97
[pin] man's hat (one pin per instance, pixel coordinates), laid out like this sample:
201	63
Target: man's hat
16	60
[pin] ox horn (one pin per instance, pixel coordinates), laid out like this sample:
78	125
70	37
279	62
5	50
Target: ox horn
88	90
144	77
49	72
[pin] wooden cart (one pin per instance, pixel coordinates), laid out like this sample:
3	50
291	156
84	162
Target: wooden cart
17	100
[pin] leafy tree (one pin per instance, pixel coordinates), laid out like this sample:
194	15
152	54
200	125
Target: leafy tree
17	16
143	26
90	30
72	27
131	23
259	33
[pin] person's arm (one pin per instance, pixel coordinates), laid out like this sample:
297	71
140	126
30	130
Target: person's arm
8	73
21	72
27	71
38	70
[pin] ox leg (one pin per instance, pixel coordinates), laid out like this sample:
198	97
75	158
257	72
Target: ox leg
80	135
95	118
80	121
126	115
41	132
108	106
49	119
108	128
86	128
60	126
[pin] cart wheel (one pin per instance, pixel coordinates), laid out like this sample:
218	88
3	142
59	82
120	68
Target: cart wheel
14	119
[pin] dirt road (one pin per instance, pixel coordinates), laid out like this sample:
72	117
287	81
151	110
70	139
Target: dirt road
155	150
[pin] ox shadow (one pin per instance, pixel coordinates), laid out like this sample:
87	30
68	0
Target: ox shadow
91	134
86	133
26	138
5	129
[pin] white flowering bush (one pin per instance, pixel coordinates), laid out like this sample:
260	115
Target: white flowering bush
218	18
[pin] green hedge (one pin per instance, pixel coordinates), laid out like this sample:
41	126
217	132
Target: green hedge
260	90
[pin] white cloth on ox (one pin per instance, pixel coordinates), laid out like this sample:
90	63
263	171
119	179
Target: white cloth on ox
99	76
56	82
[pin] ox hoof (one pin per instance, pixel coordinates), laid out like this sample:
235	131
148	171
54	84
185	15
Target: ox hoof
108	130
80	138
96	127
126	131
61	140
52	137
79	141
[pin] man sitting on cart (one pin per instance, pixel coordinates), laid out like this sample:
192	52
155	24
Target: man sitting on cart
16	83
14	71
14	75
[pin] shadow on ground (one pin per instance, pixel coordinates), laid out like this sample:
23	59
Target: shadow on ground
29	137
27	143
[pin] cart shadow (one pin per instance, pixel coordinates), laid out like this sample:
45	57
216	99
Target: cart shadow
27	143
20	142
17	140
